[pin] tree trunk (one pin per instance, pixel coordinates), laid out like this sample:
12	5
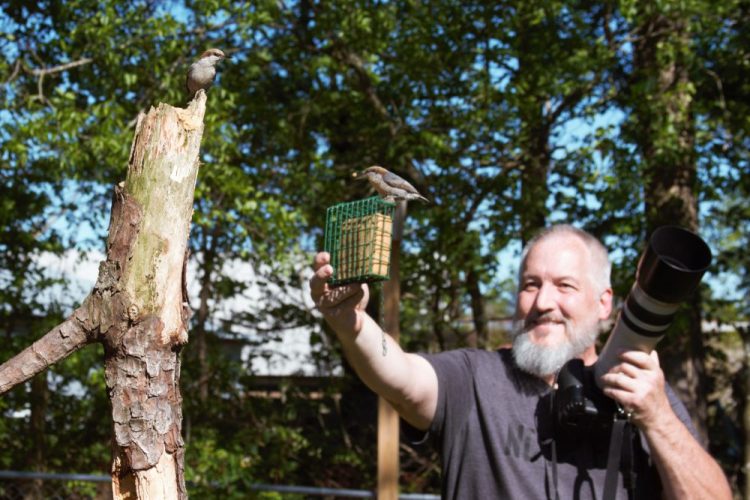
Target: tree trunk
665	136
438	325
533	140
37	428
138	308
202	319
146	250
479	314
534	189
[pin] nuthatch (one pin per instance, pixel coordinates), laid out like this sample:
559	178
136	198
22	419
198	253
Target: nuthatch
389	185
203	71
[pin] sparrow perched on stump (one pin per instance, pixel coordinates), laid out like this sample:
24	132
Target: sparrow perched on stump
389	185
202	72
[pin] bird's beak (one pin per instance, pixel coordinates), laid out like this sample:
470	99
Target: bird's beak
359	176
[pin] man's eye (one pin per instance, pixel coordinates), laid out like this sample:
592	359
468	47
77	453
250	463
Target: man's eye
530	286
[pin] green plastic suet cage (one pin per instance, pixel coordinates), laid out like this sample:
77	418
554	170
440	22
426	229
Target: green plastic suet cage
358	237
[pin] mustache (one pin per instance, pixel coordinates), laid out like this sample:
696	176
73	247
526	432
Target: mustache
538	319
522	326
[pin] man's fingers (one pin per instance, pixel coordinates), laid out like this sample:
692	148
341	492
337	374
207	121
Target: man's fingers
628	369
655	358
638	358
619	380
320	260
319	280
323	271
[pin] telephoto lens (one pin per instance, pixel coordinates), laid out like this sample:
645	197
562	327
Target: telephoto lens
669	271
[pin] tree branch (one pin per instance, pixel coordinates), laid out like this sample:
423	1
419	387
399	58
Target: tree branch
345	55
14	73
61	67
57	344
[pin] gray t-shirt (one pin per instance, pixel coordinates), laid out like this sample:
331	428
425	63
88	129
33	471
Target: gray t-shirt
493	425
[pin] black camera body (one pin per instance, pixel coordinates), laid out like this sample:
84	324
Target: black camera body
579	405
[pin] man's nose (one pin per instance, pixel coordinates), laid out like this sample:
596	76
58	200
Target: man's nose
545	298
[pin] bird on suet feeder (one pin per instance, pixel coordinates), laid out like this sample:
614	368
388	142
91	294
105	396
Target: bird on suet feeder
389	185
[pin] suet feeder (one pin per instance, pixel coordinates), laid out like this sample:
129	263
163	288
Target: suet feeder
358	237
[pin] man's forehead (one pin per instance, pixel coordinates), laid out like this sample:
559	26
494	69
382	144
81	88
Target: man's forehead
564	255
554	244
552	275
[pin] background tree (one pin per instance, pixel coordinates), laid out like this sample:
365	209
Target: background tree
722	140
658	92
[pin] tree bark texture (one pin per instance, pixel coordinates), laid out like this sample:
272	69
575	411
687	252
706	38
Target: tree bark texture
138	308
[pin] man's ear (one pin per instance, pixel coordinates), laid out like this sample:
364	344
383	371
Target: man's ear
605	304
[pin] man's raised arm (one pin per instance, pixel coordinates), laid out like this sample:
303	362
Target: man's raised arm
406	380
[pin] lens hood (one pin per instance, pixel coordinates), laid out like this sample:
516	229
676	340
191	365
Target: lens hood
673	264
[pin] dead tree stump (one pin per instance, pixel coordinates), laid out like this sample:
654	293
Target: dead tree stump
138	308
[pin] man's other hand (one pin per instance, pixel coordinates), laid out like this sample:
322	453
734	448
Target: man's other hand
637	383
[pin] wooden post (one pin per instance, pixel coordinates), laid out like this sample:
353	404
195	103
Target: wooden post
388	420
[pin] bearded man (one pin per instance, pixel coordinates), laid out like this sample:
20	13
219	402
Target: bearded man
489	412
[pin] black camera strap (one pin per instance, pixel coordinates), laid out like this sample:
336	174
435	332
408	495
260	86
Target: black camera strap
620	451
551	469
628	459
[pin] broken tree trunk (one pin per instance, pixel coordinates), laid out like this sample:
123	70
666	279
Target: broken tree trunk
138	308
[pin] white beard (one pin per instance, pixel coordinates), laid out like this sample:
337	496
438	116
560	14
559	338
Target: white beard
543	361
